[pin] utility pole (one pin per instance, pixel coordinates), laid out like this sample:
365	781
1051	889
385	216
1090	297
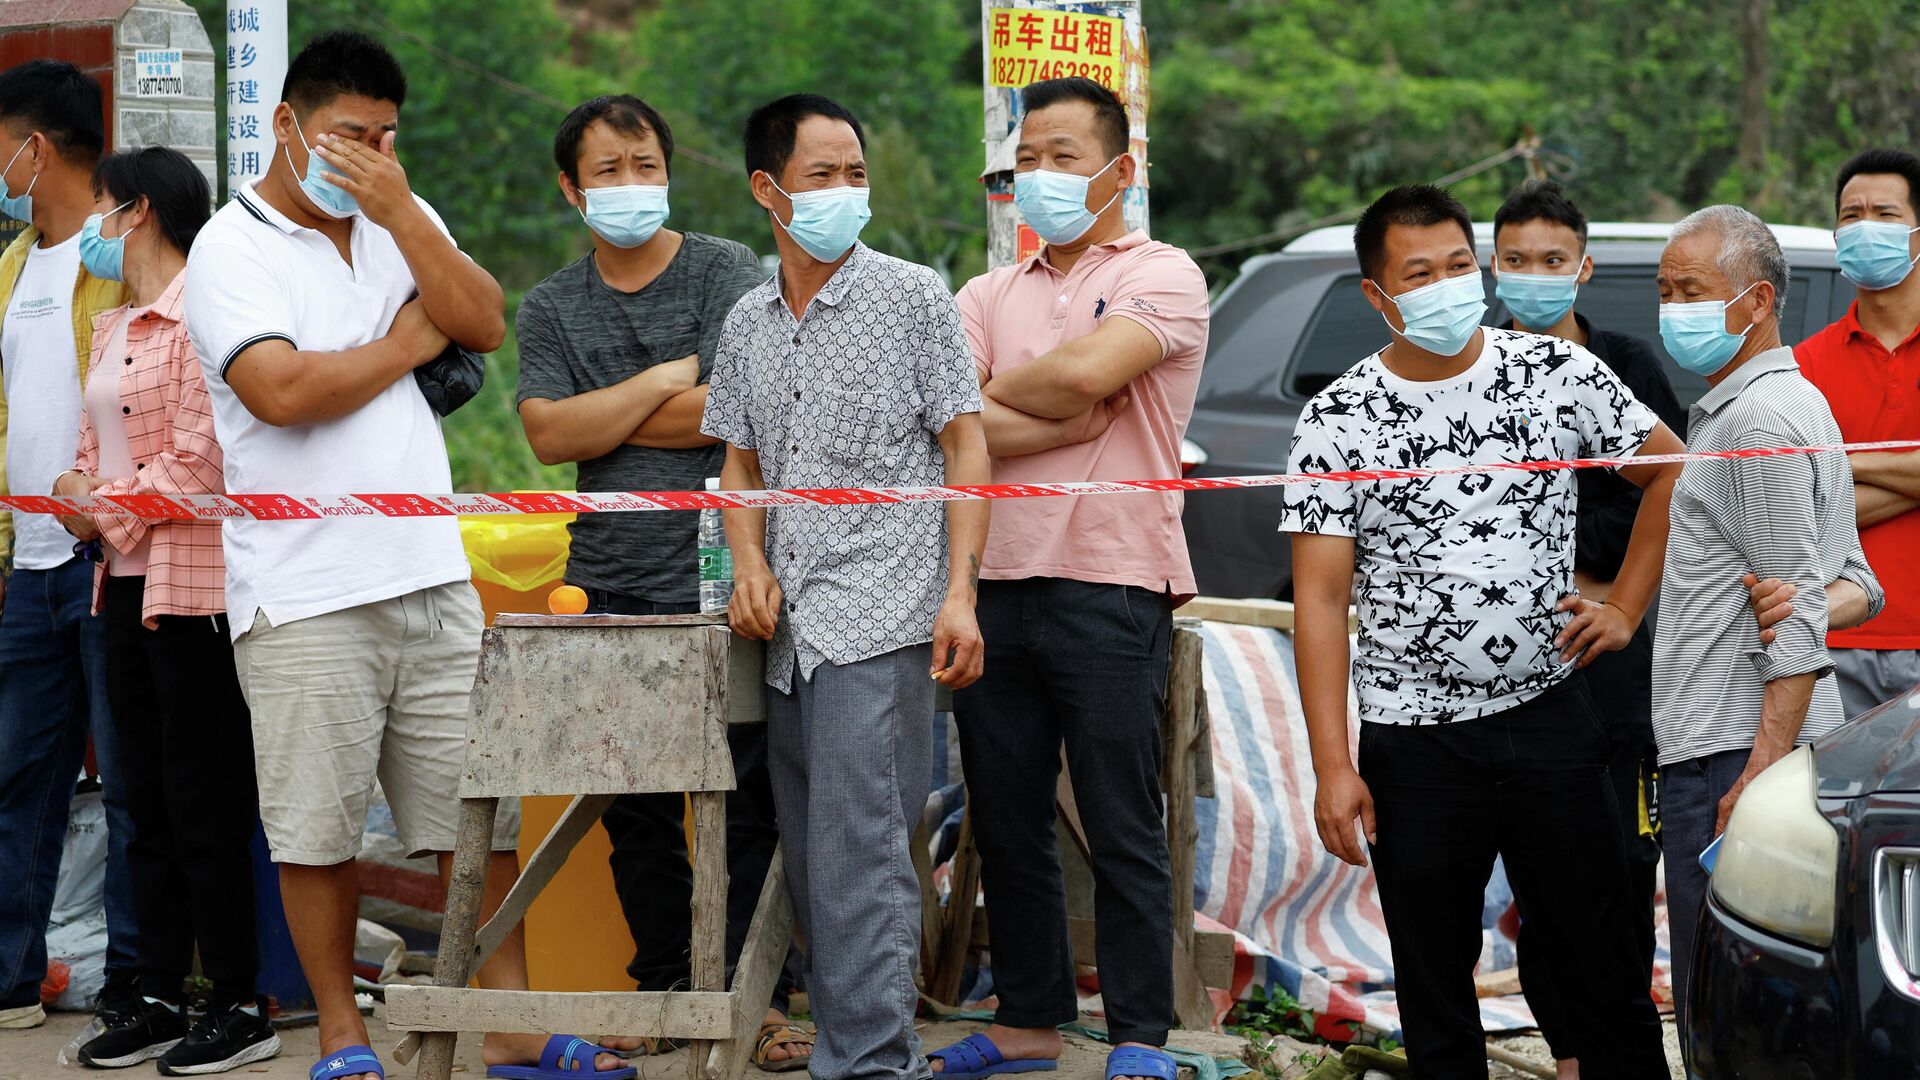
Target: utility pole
1753	94
256	61
1028	41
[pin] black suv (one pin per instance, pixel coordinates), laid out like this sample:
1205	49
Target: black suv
1292	321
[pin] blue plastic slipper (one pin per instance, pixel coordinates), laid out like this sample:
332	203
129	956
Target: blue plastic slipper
1141	1061
350	1061
565	1057
976	1056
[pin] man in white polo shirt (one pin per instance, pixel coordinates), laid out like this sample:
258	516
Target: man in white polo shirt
356	638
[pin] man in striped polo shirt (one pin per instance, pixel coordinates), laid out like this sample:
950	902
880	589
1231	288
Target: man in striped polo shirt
1726	703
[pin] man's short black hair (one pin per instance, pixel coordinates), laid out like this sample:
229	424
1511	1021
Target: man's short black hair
59	101
1109	116
622	112
174	187
1541	200
342	62
1890	162
773	126
1409	204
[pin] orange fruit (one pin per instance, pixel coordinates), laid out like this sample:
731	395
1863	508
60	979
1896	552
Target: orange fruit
567	600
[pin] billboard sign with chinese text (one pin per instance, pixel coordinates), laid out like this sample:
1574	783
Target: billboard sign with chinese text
1029	41
256	59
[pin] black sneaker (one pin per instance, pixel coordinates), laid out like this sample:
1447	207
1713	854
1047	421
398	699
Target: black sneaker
225	1038
136	1030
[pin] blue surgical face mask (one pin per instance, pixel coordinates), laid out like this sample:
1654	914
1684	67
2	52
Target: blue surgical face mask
1696	334
104	256
18	207
1873	254
625	216
1537	301
826	222
332	201
1441	317
1054	204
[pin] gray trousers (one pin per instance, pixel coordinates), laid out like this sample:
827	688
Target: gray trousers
1690	794
1869	677
850	752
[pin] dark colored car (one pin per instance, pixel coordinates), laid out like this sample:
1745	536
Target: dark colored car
1293	321
1807	964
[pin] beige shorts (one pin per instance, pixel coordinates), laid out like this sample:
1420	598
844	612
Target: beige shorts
380	689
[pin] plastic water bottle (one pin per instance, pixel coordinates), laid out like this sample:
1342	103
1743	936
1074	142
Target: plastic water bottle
716	559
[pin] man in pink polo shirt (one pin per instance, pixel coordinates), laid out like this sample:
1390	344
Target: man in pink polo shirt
1089	355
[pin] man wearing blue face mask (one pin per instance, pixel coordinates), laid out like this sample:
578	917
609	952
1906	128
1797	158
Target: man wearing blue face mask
1479	738
1868	366
1728	702
615	349
53	665
849	368
311	298
1540	262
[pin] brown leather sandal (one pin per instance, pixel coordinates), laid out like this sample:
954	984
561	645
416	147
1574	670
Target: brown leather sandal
772	1035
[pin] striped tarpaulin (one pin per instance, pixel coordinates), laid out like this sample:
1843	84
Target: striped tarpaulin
1307	923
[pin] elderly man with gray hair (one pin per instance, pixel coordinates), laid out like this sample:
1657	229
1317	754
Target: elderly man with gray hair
1729	701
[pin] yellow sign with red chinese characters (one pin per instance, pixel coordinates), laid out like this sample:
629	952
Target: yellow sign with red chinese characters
1027	46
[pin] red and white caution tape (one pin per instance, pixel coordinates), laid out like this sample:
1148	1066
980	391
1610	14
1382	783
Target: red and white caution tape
422	505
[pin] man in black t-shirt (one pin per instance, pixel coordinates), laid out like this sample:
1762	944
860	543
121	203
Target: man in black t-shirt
615	350
1540	259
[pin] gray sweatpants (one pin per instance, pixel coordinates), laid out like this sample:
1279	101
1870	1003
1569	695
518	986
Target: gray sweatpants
850	753
1869	677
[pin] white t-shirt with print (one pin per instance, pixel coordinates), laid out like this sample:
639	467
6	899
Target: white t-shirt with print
256	276
42	381
1459	575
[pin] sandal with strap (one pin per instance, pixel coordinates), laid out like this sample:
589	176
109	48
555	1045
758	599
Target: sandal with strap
772	1035
564	1056
977	1056
1141	1061
347	1061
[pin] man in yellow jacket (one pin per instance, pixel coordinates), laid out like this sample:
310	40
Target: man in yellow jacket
52	649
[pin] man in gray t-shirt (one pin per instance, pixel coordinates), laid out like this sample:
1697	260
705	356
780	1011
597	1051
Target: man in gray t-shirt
615	350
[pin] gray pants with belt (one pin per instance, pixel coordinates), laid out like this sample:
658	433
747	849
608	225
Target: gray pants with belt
850	752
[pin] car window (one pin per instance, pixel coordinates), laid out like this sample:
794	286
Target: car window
1344	330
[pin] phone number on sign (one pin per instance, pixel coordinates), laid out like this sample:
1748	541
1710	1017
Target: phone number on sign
1022	70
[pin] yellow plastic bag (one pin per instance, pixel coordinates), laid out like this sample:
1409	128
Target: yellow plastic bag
518	553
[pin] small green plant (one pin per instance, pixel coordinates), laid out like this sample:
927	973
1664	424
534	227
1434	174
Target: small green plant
1272	1013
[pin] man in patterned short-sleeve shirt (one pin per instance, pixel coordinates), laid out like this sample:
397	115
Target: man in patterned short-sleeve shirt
1477	737
849	369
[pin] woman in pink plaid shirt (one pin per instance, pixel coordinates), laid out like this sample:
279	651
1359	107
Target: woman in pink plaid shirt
146	431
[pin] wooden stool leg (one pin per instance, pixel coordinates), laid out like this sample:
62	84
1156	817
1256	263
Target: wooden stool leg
709	945
761	958
454	965
956	933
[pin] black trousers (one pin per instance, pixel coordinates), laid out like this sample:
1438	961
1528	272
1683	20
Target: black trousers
1529	785
187	739
651	873
1085	666
1622	687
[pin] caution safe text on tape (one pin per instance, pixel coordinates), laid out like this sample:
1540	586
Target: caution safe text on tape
274	507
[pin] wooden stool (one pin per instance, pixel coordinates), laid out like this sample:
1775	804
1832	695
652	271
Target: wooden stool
596	706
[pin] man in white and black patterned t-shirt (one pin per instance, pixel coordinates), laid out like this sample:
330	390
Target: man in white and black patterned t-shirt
1478	738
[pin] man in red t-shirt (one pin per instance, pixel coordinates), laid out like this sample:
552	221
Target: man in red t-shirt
1868	366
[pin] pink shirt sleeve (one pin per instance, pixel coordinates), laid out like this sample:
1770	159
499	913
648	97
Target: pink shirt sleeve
973	319
1165	292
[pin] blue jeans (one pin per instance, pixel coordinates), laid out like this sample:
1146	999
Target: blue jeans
53	692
